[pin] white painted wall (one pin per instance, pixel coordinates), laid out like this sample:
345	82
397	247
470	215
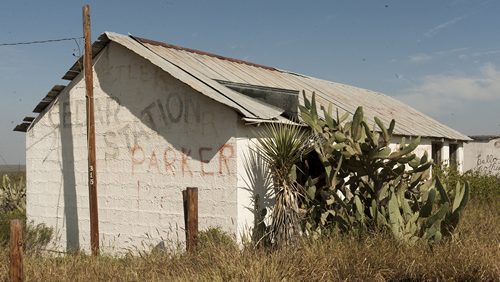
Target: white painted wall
254	182
154	136
425	145
460	157
445	153
483	156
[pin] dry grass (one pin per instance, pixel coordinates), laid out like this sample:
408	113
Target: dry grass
473	255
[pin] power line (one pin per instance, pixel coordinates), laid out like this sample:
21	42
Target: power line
40	41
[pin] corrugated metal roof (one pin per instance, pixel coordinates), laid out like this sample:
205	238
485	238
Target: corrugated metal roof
202	71
345	97
23	126
197	80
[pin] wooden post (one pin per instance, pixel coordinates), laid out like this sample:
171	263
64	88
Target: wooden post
16	250
190	200
89	86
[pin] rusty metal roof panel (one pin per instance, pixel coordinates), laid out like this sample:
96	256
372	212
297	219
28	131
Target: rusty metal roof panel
53	93
159	55
345	97
22	127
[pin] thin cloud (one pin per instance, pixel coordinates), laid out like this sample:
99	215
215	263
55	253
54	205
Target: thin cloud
450	51
486	53
423	57
419	58
435	30
446	93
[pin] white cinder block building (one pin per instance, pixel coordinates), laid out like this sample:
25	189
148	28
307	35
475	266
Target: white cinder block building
168	118
483	154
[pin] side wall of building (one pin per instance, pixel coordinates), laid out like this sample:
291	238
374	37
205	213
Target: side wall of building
483	156
254	182
155	136
426	145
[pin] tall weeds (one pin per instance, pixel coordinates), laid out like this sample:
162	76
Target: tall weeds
472	256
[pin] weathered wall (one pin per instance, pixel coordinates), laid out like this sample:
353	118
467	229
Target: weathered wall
426	146
254	181
483	156
154	135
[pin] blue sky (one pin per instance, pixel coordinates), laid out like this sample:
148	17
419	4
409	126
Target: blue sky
441	57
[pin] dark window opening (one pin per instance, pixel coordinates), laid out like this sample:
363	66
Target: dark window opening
453	155
436	152
311	166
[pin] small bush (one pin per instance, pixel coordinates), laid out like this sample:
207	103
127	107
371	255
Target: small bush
36	237
13	206
483	187
216	237
5	219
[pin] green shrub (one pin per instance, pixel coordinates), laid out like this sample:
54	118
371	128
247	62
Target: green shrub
36	237
216	237
5	219
13	206
483	187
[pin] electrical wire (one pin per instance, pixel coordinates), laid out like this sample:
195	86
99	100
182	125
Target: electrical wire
40	41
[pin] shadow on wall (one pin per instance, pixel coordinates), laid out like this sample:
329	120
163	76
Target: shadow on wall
170	108
193	126
260	186
68	171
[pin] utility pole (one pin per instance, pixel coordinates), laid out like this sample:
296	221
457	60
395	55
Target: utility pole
89	87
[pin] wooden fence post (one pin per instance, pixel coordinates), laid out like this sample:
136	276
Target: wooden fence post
190	200
16	250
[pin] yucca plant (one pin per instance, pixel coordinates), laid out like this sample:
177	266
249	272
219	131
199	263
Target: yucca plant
282	147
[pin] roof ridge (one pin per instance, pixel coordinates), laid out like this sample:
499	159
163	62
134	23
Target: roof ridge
199	52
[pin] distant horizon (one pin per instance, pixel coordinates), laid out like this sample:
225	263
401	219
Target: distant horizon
12	167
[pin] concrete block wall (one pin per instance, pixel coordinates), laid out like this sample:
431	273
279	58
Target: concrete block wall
254	182
425	145
483	156
445	154
155	136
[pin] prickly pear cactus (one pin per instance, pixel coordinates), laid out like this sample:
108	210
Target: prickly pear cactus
364	185
12	195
